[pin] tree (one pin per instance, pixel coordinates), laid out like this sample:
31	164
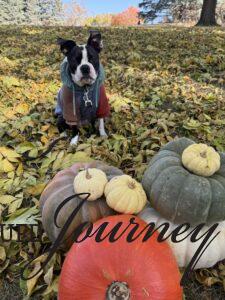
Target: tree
221	11
32	12
152	8
99	20
11	11
46	11
128	17
185	10
58	12
208	14
178	9
4	12
74	14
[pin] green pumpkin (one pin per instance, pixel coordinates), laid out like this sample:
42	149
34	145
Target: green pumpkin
179	195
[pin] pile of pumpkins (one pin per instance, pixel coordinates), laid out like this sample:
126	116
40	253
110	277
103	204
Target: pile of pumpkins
184	183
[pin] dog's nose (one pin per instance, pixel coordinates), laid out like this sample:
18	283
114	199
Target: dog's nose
85	69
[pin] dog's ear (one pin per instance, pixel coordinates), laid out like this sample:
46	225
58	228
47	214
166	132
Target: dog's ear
65	45
95	40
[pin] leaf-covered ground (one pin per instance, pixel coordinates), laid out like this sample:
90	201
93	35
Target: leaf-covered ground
162	83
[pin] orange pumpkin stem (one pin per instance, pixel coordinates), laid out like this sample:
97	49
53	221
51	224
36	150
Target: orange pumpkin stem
88	175
119	291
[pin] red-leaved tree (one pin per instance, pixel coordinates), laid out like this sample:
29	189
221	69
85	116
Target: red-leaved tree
128	17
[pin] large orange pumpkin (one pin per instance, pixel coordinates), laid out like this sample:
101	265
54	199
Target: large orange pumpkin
60	188
120	270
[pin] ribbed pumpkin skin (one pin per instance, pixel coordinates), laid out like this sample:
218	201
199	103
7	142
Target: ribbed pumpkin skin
125	195
179	195
60	188
185	250
149	268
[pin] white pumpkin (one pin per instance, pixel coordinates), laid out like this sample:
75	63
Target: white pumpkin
125	195
201	159
91	181
185	250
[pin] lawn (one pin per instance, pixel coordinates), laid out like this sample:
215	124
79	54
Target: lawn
163	83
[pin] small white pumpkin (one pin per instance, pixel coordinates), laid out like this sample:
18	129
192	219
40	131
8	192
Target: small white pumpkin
125	195
201	159
185	250
91	181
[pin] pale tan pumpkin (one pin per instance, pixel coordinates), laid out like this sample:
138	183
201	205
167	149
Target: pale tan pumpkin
125	195
91	181
201	160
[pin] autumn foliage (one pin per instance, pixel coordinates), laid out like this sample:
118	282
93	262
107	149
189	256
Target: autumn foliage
166	82
99	20
74	13
128	17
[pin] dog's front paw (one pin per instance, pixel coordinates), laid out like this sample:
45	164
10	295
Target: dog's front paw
74	140
103	134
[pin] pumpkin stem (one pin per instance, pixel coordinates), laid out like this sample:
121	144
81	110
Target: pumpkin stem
88	175
203	154
131	185
118	291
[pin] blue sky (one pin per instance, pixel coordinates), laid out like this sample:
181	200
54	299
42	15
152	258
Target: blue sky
98	7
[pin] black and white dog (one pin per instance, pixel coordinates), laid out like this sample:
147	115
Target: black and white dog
83	64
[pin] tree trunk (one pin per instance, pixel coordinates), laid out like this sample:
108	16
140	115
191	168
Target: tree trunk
208	14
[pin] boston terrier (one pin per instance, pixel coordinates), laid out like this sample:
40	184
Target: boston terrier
82	98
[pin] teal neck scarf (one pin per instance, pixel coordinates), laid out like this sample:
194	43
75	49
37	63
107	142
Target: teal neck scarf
67	80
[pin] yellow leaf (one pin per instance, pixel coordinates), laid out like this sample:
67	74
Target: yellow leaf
52	131
209	59
15	205
2	254
40	258
33	153
44	140
45	128
11	175
12	159
49	276
7	166
52	288
19	170
37	189
24	255
33	281
70	159
6	199
22	108
10	81
9	114
58	161
9	153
